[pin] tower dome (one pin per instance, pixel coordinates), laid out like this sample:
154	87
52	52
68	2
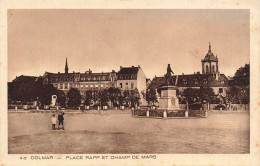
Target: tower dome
210	63
210	56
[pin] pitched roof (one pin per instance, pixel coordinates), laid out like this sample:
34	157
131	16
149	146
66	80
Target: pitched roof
128	70
23	78
193	80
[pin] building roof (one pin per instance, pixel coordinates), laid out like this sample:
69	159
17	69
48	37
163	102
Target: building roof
210	56
193	80
23	78
129	70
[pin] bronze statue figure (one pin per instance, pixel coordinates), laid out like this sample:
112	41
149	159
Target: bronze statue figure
168	78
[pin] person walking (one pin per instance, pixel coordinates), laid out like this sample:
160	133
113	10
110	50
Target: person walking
61	119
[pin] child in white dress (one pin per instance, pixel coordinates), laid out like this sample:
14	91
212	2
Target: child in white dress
53	120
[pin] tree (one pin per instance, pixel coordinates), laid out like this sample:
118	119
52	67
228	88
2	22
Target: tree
134	97
74	98
242	76
206	94
104	98
89	97
61	98
114	94
44	93
190	96
239	91
22	89
150	95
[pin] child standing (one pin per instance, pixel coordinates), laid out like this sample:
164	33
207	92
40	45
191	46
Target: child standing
53	120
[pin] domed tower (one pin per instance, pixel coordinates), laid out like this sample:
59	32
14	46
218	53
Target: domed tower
210	63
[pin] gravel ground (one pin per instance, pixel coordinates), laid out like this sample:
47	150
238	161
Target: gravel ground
119	132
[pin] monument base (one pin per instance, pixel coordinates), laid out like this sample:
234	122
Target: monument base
168	100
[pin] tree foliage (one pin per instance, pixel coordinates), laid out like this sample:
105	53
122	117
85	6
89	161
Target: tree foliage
242	76
61	98
206	94
190	95
74	98
150	95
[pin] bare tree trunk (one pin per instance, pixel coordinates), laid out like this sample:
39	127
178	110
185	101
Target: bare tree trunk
187	105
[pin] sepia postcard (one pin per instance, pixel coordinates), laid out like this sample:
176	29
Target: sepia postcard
130	83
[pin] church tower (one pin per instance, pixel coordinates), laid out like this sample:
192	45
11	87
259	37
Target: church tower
210	63
66	67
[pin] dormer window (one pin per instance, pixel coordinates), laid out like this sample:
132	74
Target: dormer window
222	82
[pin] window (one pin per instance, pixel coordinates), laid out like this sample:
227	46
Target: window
220	90
121	85
55	85
132	85
61	86
96	86
101	85
91	86
205	81
195	81
213	68
185	82
207	69
66	86
222	82
81	85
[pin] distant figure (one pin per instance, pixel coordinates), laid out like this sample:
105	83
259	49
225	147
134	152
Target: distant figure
53	120
168	78
61	119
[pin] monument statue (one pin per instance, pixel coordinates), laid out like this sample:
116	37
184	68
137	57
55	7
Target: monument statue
168	100
168	78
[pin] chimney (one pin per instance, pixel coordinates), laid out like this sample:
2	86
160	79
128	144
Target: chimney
138	66
132	66
121	67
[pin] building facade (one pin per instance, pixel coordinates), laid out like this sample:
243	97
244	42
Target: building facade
128	78
210	77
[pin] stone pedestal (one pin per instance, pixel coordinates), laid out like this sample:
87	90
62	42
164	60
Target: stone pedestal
147	113
164	114
168	100
53	100
186	114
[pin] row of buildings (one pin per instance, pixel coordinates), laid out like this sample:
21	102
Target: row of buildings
128	78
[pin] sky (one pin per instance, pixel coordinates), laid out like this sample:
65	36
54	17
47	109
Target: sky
103	40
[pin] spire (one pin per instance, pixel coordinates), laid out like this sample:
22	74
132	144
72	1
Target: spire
66	66
209	47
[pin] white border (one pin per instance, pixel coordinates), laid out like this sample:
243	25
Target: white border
162	159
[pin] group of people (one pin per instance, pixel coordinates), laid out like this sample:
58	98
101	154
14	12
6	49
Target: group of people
60	119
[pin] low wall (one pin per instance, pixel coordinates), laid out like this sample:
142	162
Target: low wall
159	113
234	107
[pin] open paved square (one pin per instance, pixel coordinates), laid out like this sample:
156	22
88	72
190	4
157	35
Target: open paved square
118	132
